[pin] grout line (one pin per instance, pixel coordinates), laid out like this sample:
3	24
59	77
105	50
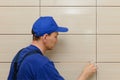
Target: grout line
96	40
71	61
56	6
39	7
80	6
74	62
5	62
84	62
19	6
108	62
68	6
68	34
96	31
15	34
108	6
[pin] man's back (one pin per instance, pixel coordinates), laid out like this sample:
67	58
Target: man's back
35	67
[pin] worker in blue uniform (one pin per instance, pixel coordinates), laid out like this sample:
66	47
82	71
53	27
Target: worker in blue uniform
30	62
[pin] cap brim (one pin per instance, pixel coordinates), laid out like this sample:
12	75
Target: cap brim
62	29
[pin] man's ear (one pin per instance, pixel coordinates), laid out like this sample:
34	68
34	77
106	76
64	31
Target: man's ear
44	37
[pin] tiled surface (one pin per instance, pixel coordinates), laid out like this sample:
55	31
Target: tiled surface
108	48
19	2
83	48
79	20
68	2
15	20
4	70
78	48
108	2
108	71
108	20
93	36
11	44
71	71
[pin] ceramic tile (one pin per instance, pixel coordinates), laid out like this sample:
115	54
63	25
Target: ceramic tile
4	71
108	2
68	2
69	48
74	48
78	20
108	48
108	71
19	2
11	44
108	20
17	20
71	71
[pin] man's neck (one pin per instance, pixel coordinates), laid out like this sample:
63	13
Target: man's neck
39	45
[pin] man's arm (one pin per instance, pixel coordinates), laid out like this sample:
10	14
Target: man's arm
87	72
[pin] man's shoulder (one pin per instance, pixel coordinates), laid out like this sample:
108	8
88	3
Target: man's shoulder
33	56
36	58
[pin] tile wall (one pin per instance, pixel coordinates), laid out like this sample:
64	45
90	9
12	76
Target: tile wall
94	34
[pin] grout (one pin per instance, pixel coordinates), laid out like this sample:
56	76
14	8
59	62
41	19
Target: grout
75	62
57	6
64	34
39	7
108	62
80	6
96	41
19	6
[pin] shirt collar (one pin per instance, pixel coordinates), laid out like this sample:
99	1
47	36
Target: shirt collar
32	47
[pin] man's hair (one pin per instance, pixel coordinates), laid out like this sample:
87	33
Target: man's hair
34	36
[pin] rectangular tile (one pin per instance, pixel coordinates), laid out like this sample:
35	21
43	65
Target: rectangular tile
71	71
17	20
69	48
108	20
19	2
4	71
79	20
108	71
68	2
74	48
108	2
108	48
11	44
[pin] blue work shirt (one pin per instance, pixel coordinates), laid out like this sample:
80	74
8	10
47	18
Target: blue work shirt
35	67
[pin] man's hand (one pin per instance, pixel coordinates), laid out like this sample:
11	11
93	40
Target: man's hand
87	72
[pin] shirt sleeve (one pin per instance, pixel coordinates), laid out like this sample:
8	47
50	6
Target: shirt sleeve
49	72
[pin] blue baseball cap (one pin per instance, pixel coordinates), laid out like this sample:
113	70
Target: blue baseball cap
46	25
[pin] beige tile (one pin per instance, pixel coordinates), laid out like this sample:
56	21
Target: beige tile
71	71
17	20
80	20
69	48
4	71
108	20
11	44
108	48
108	71
108	2
68	2
19	2
72	48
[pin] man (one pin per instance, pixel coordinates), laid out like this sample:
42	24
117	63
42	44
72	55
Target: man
30	62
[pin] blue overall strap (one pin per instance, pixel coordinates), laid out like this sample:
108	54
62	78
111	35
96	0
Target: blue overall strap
16	66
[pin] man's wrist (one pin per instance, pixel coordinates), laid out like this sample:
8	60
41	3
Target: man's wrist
83	76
